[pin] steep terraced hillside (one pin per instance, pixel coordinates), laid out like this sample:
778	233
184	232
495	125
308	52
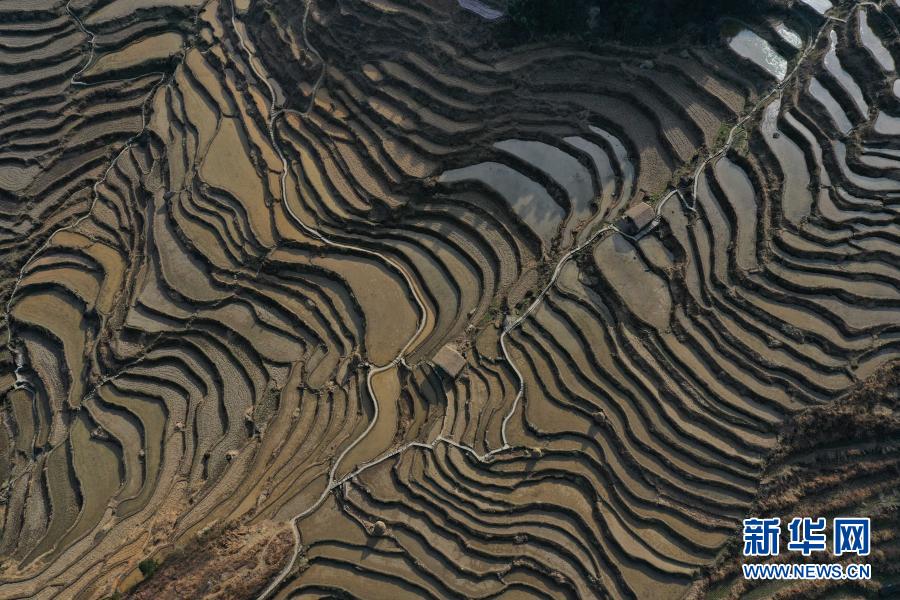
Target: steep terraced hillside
840	458
241	240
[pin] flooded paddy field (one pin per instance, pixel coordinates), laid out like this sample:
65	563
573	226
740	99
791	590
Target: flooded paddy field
297	305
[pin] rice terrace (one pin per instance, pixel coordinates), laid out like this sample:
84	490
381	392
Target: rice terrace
449	299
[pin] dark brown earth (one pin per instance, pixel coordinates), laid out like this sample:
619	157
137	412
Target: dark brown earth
235	563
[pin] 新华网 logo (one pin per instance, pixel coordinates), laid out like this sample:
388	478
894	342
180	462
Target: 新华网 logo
806	535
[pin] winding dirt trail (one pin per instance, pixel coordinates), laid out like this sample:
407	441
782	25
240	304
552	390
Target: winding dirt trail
374	370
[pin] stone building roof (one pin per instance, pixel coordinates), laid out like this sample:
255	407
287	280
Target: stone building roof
449	360
637	217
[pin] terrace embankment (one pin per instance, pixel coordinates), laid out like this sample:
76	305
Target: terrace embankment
231	307
58	135
657	374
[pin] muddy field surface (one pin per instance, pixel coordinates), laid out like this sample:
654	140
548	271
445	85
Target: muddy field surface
235	236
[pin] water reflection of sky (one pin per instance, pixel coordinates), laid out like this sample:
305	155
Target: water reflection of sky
528	199
824	97
789	35
754	48
820	6
874	44
561	166
833	64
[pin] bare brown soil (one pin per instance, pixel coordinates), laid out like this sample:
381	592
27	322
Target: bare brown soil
235	563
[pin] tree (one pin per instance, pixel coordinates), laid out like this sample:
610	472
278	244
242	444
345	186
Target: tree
148	567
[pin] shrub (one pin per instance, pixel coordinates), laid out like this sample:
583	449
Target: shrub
148	567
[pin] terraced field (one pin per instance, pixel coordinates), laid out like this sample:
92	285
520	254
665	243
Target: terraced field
236	235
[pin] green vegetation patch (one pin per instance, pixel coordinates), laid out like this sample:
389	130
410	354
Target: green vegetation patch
148	567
